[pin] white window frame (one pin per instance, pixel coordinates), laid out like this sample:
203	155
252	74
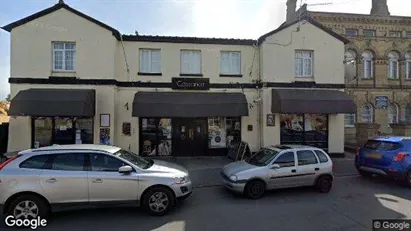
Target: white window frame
408	66
304	73
191	71
231	65
393	63
63	69
367	118
150	68
348	118
368	61
393	118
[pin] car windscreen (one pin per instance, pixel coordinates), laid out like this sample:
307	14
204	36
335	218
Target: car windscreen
262	157
134	158
382	145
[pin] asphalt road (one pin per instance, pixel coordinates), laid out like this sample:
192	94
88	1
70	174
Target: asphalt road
351	205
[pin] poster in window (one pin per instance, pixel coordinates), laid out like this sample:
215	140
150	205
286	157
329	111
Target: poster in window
293	122
105	136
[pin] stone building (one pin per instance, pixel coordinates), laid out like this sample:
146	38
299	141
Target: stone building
377	63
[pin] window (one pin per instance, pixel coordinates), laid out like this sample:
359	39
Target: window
408	113
306	157
393	65
35	162
350	65
262	157
68	162
349	120
382	145
105	163
408	66
64	55
150	61
369	33
223	131
321	156
286	160
351	32
155	136
303	63
367	57
396	34
367	113
230	63
190	62
392	113
408	34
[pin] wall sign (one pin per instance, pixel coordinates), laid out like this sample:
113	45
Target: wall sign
105	136
381	102
190	83
104	120
270	120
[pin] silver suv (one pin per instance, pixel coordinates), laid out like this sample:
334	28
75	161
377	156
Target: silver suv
280	166
35	182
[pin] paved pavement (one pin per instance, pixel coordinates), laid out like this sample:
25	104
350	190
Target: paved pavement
350	206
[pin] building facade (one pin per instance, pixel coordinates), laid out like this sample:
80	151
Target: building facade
77	80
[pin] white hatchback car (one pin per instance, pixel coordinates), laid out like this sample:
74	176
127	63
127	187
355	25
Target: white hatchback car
280	166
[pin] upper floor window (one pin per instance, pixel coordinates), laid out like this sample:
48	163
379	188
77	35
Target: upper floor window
368	33
396	34
367	113
303	63
393	65
350	65
408	113
150	60
393	113
349	120
64	56
190	62
408	66
230	62
351	32
408	34
367	57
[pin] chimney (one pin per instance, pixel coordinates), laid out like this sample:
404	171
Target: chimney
380	8
291	13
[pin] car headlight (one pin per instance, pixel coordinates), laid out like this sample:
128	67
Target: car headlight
233	178
181	180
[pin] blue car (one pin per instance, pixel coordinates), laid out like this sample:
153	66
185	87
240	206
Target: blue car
386	156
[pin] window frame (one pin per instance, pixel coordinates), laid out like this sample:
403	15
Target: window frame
282	154
390	116
353	117
371	115
304	60
393	62
182	72
150	71
307	150
230	57
368	59
63	56
408	34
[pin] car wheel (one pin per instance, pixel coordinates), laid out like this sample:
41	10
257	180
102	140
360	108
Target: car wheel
407	182
324	184
255	189
28	207
158	201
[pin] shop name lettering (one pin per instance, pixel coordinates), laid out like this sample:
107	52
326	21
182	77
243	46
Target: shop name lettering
183	84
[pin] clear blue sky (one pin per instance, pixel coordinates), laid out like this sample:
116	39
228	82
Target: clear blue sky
203	18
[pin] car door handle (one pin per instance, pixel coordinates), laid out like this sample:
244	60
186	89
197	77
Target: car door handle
317	169
98	180
293	170
51	180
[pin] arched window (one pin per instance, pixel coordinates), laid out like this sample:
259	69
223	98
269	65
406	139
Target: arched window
350	65
367	113
393	113
367	58
393	65
408	66
408	113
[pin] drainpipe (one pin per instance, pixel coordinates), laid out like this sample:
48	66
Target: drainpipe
259	103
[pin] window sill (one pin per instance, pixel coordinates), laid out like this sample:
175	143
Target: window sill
304	77
149	74
197	75
371	78
349	126
231	75
389	79
62	71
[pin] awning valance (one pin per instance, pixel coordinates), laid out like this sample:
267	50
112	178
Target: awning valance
53	102
189	104
311	101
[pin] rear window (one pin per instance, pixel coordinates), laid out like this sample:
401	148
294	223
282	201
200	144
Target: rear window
382	145
321	156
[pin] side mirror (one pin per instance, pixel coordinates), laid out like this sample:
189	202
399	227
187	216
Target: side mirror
275	166
125	169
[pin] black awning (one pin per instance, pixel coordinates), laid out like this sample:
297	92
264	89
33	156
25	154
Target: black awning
189	104
311	101
53	102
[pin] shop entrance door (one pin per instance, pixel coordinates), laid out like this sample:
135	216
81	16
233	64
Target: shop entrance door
190	137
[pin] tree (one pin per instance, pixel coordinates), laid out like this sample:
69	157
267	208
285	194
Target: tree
8	98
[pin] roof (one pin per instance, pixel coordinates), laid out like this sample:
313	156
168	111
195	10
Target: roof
311	21
94	147
349	15
54	8
197	40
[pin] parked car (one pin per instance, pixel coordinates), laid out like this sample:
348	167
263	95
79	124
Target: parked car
39	181
386	156
280	166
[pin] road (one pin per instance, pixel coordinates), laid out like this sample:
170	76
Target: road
351	205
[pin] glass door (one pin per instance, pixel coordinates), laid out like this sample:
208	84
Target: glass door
64	133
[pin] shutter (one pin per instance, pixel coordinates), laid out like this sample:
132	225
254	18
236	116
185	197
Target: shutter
155	61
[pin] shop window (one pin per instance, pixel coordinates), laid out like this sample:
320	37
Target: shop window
43	132
223	131
63	131
84	131
156	135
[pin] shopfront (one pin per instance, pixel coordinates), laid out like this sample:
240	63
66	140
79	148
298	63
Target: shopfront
58	116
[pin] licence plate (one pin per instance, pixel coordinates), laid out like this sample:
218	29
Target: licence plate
373	156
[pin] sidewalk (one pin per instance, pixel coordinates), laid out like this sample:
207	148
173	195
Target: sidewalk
205	171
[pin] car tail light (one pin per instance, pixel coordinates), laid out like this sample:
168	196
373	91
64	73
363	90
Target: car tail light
399	157
2	165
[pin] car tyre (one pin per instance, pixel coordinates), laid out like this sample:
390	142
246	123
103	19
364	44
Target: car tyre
158	200
28	207
255	189
407	181
324	184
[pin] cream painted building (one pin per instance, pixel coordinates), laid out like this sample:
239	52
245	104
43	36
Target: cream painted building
77	80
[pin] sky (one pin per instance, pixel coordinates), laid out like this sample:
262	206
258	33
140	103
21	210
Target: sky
201	18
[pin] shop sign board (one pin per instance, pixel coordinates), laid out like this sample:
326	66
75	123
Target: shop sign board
190	83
